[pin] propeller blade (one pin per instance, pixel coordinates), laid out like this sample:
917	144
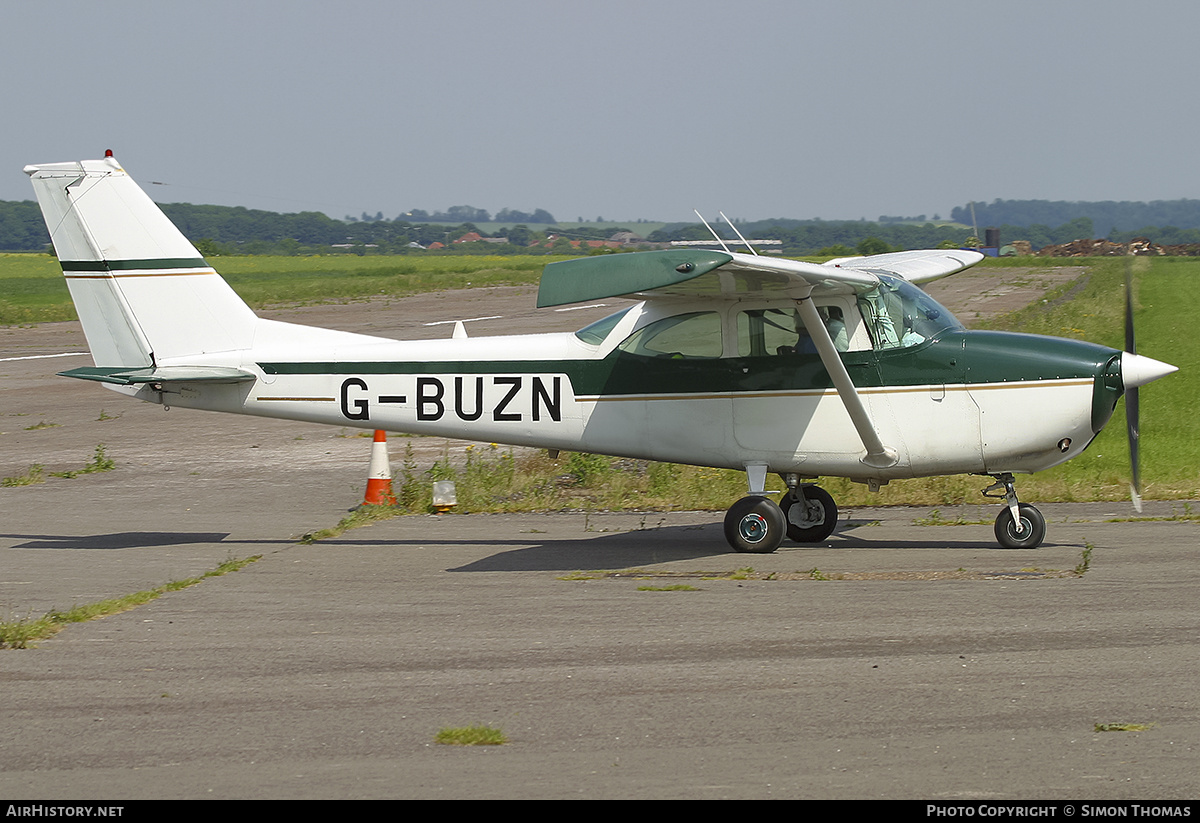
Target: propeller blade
1131	395
1131	429
1130	343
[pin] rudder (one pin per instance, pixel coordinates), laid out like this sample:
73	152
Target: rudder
143	292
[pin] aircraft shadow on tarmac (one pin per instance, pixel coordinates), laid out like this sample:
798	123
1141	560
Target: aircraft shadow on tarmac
642	547
126	540
602	550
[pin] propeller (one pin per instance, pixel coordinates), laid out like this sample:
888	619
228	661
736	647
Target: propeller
1131	395
1136	370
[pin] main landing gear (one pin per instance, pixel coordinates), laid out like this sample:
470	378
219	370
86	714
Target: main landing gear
757	524
807	514
1019	525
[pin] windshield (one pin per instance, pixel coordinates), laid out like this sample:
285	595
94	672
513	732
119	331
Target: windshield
595	333
899	314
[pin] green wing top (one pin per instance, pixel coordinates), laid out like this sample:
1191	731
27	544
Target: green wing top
732	276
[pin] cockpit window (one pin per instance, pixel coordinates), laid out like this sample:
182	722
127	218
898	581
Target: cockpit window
898	314
681	336
595	333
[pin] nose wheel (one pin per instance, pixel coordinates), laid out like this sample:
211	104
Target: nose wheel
1019	525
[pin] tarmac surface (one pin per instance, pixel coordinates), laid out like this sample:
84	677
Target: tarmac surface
895	660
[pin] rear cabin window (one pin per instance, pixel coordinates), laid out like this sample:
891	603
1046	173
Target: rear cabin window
696	335
595	333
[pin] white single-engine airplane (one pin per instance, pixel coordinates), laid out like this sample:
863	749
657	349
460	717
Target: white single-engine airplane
731	360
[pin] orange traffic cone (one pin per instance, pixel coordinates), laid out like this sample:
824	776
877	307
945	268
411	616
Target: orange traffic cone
379	476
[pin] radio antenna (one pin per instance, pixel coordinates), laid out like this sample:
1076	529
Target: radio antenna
753	250
710	231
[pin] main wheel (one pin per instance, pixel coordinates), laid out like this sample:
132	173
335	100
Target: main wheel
813	521
1028	535
755	524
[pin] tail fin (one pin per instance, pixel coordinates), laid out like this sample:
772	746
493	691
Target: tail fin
142	291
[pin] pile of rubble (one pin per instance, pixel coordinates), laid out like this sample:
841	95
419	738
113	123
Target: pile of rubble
1104	248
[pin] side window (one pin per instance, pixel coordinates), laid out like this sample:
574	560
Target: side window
766	332
763	332
682	336
835	321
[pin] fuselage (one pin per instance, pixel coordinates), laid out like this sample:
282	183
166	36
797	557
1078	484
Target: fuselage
955	401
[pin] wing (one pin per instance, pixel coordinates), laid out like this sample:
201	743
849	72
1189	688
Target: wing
691	273
913	266
729	275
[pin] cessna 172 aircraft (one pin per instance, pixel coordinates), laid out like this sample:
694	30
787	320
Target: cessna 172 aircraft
731	360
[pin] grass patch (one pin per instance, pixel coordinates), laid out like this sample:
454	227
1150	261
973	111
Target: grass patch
362	516
1122	727
34	290
935	518
33	475
481	735
100	462
18	634
36	473
1085	560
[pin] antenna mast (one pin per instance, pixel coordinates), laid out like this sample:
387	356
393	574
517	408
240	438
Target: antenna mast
710	231
753	250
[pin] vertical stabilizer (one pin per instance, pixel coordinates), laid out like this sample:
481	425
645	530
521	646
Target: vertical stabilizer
142	291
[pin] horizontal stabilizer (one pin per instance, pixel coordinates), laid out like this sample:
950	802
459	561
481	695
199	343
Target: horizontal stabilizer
163	374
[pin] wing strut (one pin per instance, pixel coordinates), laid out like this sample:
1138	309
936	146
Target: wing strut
878	455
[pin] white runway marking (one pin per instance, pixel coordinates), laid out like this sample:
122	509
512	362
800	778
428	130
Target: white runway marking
577	308
468	320
44	356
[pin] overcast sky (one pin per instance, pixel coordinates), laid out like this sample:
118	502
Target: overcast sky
626	110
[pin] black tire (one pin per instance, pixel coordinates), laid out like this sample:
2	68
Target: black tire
755	525
1033	528
818	519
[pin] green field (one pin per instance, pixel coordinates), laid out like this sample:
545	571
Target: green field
32	290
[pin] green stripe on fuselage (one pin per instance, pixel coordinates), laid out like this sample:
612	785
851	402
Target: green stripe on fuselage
956	358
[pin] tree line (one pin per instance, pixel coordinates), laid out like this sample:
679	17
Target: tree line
1107	216
238	230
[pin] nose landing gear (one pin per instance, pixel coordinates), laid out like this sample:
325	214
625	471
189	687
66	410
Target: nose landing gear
1019	525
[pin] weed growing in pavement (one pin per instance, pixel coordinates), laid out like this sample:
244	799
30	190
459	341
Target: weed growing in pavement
18	634
1122	727
100	462
1085	561
479	735
33	475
